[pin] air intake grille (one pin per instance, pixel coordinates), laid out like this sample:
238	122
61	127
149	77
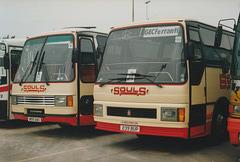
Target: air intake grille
132	112
36	100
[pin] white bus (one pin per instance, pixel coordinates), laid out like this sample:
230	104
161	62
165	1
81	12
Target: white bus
55	79
10	54
164	77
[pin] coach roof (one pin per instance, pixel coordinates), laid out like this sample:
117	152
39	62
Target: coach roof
13	42
155	21
68	30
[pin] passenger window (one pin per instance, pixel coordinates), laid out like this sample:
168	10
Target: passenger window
211	56
101	40
15	61
194	37
87	60
197	64
197	51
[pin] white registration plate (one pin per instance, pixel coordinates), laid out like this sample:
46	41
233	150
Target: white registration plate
129	128
34	119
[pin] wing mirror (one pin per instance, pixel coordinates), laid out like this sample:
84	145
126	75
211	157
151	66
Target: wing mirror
218	36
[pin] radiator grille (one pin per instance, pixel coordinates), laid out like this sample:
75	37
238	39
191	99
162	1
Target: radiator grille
36	100
132	112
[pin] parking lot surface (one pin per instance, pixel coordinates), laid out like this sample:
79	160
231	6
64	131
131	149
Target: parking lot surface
22	141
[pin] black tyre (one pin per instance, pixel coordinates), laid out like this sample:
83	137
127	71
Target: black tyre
219	122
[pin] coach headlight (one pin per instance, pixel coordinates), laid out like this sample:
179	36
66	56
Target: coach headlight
98	110
63	100
236	109
173	114
14	100
169	114
60	100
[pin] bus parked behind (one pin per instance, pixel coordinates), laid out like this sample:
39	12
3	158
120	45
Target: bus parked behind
54	82
234	107
10	54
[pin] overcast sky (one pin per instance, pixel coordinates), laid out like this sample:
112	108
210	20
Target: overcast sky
24	18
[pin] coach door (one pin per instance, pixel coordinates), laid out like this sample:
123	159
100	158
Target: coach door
87	70
197	116
3	83
12	59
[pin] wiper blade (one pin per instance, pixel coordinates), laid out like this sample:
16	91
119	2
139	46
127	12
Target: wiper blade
32	64
161	69
142	76
136	74
41	62
41	66
160	86
111	80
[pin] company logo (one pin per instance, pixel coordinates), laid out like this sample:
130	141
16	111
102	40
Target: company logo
33	88
141	91
225	81
161	31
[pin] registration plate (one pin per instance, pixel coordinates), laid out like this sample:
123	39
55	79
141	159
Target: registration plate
130	128
34	119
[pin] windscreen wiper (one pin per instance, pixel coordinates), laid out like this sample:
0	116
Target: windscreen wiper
161	69
141	76
32	64
111	80
41	66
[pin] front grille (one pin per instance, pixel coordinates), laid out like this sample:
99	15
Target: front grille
132	112
36	100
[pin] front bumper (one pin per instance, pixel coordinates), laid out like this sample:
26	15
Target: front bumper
146	130
69	119
234	131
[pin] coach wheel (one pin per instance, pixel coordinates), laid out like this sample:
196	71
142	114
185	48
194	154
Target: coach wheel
219	122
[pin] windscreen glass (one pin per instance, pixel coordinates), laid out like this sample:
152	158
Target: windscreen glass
236	55
140	54
47	59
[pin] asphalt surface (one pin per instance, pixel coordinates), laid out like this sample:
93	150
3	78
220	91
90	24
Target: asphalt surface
22	141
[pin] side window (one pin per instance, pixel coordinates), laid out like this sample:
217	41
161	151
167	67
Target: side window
227	42
194	37
225	55
15	61
196	63
197	51
3	74
215	56
212	56
208	36
87	60
101	41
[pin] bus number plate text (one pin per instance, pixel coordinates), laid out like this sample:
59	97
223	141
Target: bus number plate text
34	119
129	128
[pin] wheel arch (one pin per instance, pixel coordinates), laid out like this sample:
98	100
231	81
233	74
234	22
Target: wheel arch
221	105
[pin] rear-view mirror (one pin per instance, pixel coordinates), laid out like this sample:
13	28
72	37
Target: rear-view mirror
6	61
218	36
